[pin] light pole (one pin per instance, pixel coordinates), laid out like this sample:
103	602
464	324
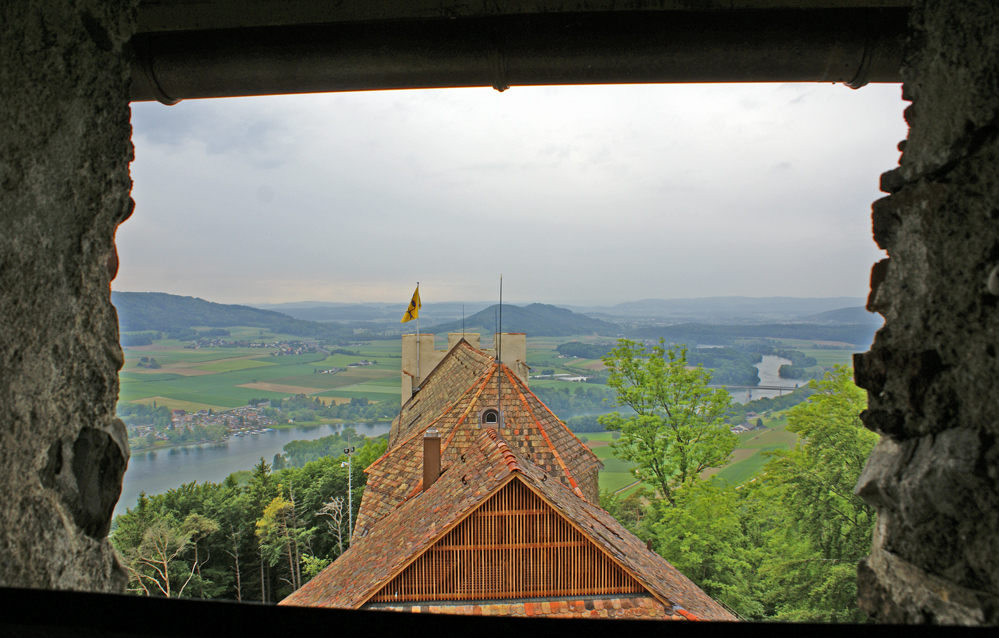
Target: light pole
350	497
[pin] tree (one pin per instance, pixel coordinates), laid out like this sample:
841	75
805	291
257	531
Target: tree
279	462
677	430
152	565
629	510
336	510
827	528
197	527
279	532
705	539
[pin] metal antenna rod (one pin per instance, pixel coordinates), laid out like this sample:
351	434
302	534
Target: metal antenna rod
499	360
499	347
419	381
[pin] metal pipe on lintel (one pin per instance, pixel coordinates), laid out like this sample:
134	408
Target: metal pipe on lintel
849	46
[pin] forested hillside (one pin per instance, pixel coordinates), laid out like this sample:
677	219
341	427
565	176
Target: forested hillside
536	319
172	313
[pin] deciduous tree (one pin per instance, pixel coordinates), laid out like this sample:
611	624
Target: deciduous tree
677	430
828	528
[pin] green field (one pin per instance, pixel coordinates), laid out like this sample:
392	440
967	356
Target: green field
223	378
749	453
229	366
616	473
827	358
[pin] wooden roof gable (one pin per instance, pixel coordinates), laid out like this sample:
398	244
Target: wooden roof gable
375	567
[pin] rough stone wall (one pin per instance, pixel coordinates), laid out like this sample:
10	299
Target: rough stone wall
932	374
64	187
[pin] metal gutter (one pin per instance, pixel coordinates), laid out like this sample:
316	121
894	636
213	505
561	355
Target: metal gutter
848	46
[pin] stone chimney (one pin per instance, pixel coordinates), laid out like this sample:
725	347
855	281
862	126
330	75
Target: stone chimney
431	457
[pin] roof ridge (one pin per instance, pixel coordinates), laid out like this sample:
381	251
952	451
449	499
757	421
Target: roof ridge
686	614
562	423
508	456
544	433
471	347
475	399
446	411
449	353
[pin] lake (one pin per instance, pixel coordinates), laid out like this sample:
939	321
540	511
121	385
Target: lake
156	471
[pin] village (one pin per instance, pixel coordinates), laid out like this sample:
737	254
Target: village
242	421
280	348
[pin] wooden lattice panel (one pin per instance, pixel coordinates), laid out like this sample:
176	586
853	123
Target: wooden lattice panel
513	546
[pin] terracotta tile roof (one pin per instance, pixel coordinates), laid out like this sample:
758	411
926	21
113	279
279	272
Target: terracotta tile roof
489	464
452	400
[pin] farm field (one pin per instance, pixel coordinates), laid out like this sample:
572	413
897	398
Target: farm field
827	358
749	458
616	473
224	378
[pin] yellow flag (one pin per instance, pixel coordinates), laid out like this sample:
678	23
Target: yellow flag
414	307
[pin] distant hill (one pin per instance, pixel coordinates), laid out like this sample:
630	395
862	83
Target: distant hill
722	309
536	319
856	314
170	313
392	313
714	334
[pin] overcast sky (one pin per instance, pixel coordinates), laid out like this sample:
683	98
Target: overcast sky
577	195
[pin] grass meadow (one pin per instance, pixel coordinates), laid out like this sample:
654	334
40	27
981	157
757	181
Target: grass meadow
223	378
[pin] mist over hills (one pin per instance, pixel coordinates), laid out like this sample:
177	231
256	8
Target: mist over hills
855	314
721	309
430	313
717	321
736	310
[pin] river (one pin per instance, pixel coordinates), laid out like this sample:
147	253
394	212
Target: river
156	471
769	368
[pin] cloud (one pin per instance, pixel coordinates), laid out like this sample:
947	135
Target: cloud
576	194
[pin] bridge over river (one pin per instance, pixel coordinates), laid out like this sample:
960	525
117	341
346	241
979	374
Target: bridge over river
779	388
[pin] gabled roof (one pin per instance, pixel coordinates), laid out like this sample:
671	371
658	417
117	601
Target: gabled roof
451	400
489	464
